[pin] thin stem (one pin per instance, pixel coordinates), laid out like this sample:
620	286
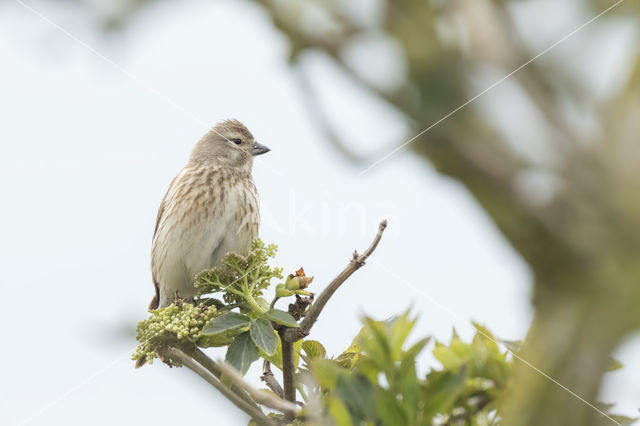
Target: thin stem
265	398
214	369
357	261
233	290
249	298
254	305
273	302
270	380
255	413
246	283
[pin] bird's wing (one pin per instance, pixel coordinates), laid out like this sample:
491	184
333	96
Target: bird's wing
163	205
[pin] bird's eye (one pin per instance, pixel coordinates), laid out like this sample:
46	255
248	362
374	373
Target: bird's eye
237	141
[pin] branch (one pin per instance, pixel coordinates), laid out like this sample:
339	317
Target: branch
214	369
262	397
319	117
270	380
357	261
288	369
255	413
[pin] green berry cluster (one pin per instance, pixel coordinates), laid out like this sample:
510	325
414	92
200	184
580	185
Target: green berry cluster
179	324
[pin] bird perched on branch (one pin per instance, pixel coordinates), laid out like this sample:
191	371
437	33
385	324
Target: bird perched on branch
210	209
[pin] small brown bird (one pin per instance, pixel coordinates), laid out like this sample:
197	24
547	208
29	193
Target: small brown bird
210	209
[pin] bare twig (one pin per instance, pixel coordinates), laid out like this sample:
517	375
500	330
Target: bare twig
357	261
262	397
255	413
270	380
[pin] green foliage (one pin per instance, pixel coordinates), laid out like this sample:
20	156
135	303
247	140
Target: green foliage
222	330
242	279
281	317
226	322
276	358
375	380
242	352
264	336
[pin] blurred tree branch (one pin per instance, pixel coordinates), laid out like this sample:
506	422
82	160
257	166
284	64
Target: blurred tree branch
582	242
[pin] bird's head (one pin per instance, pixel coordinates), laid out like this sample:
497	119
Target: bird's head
230	143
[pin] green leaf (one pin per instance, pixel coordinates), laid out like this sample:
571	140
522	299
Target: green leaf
375	344
339	412
406	380
483	333
225	322
449	359
348	359
369	368
401	326
281	317
326	373
263	303
358	395
389	409
242	352
314	349
218	340
264	336
442	390
276	358
411	353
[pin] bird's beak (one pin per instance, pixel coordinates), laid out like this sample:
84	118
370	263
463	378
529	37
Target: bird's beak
259	149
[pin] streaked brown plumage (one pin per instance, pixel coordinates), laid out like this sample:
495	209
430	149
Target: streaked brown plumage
210	209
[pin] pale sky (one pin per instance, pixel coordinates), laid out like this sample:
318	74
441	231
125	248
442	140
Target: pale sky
88	148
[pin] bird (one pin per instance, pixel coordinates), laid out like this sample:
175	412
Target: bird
210	209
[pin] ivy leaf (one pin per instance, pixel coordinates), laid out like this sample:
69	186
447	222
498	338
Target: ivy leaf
242	352
226	322
281	317
264	336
